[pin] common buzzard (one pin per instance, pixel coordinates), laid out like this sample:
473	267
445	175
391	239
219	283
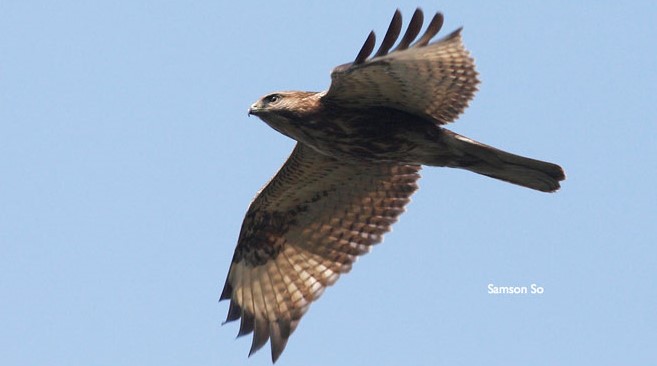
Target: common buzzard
360	147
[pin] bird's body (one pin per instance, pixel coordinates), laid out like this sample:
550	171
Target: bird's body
387	135
360	147
377	134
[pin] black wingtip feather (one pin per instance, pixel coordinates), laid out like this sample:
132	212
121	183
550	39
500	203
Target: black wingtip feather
246	326
227	292
260	335
234	312
455	33
278	339
391	35
366	50
433	29
394	29
412	31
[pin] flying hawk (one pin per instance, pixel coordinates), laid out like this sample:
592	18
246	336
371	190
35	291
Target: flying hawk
360	147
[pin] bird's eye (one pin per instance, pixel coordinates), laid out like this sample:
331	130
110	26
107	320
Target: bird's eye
270	99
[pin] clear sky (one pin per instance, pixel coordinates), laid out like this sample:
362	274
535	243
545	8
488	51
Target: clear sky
127	161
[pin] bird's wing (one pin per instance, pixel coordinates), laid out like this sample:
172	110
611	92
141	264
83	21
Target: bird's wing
434	80
304	229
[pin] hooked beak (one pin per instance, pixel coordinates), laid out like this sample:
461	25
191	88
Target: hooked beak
255	109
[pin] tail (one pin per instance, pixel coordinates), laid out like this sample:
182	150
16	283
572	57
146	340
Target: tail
498	164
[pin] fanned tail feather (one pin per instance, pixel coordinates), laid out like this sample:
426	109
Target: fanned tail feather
498	164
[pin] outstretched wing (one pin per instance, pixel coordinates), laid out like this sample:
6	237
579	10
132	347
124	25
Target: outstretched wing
304	229
434	80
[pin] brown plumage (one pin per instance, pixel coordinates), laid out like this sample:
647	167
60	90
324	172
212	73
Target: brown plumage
360	146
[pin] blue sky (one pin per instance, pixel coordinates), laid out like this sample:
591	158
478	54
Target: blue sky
127	162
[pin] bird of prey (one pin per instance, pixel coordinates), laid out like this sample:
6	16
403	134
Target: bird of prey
360	147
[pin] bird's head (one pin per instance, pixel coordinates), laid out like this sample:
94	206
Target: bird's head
286	111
